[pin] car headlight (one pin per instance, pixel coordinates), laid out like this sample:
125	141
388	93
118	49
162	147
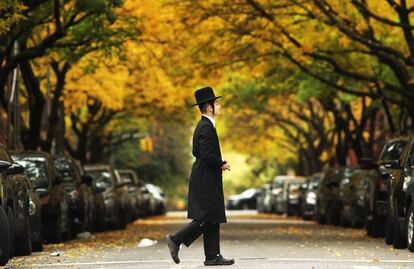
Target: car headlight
407	181
32	207
73	195
293	196
311	198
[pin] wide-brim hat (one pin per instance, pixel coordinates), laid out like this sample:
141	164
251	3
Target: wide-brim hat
204	95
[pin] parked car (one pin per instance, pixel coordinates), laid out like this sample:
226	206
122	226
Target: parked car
17	200
148	200
409	209
398	202
327	202
115	194
48	185
5	230
133	195
351	189
309	194
263	199
376	195
135	189
35	216
160	201
98	211
79	193
278	186
245	200
292	196
14	227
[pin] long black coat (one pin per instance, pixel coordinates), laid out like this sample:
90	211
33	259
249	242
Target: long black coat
205	194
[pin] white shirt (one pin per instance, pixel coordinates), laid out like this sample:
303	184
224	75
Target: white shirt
211	119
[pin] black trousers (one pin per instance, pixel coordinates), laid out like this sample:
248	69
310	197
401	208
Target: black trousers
211	236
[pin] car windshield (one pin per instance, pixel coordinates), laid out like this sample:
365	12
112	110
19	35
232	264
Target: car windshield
248	193
294	185
101	178
36	171
65	170
392	150
127	177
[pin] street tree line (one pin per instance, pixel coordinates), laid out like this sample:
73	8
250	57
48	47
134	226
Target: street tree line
328	81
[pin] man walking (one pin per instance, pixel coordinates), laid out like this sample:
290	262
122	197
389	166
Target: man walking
205	192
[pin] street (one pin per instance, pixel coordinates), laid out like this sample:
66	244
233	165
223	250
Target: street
253	240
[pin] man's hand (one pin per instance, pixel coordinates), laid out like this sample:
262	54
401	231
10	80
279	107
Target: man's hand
225	166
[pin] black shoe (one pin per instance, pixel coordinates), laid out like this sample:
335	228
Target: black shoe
173	249
220	260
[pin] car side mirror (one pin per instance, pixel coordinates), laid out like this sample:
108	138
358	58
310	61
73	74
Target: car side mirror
41	192
393	164
99	189
121	184
333	184
144	190
368	163
15	168
87	179
4	165
58	179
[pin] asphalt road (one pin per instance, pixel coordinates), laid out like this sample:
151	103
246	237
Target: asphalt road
253	240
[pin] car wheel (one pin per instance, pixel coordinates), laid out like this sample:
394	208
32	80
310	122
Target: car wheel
24	241
5	238
368	221
377	226
10	216
38	245
356	221
318	216
55	229
333	214
342	221
67	234
410	228
389	228
398	240
100	218
121	220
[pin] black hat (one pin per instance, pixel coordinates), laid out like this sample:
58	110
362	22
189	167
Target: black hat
204	95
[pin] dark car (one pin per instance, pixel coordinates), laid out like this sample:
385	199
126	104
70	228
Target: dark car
278	194
263	199
245	200
398	202
327	197
409	209
98	210
79	193
351	194
133	194
17	200
115	194
376	195
309	193
35	215
135	187
292	196
5	230
14	209
41	172
158	196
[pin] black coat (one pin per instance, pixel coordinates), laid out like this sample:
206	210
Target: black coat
205	192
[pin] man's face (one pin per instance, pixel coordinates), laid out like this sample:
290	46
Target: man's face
217	107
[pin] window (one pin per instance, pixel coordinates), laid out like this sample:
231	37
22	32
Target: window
36	171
